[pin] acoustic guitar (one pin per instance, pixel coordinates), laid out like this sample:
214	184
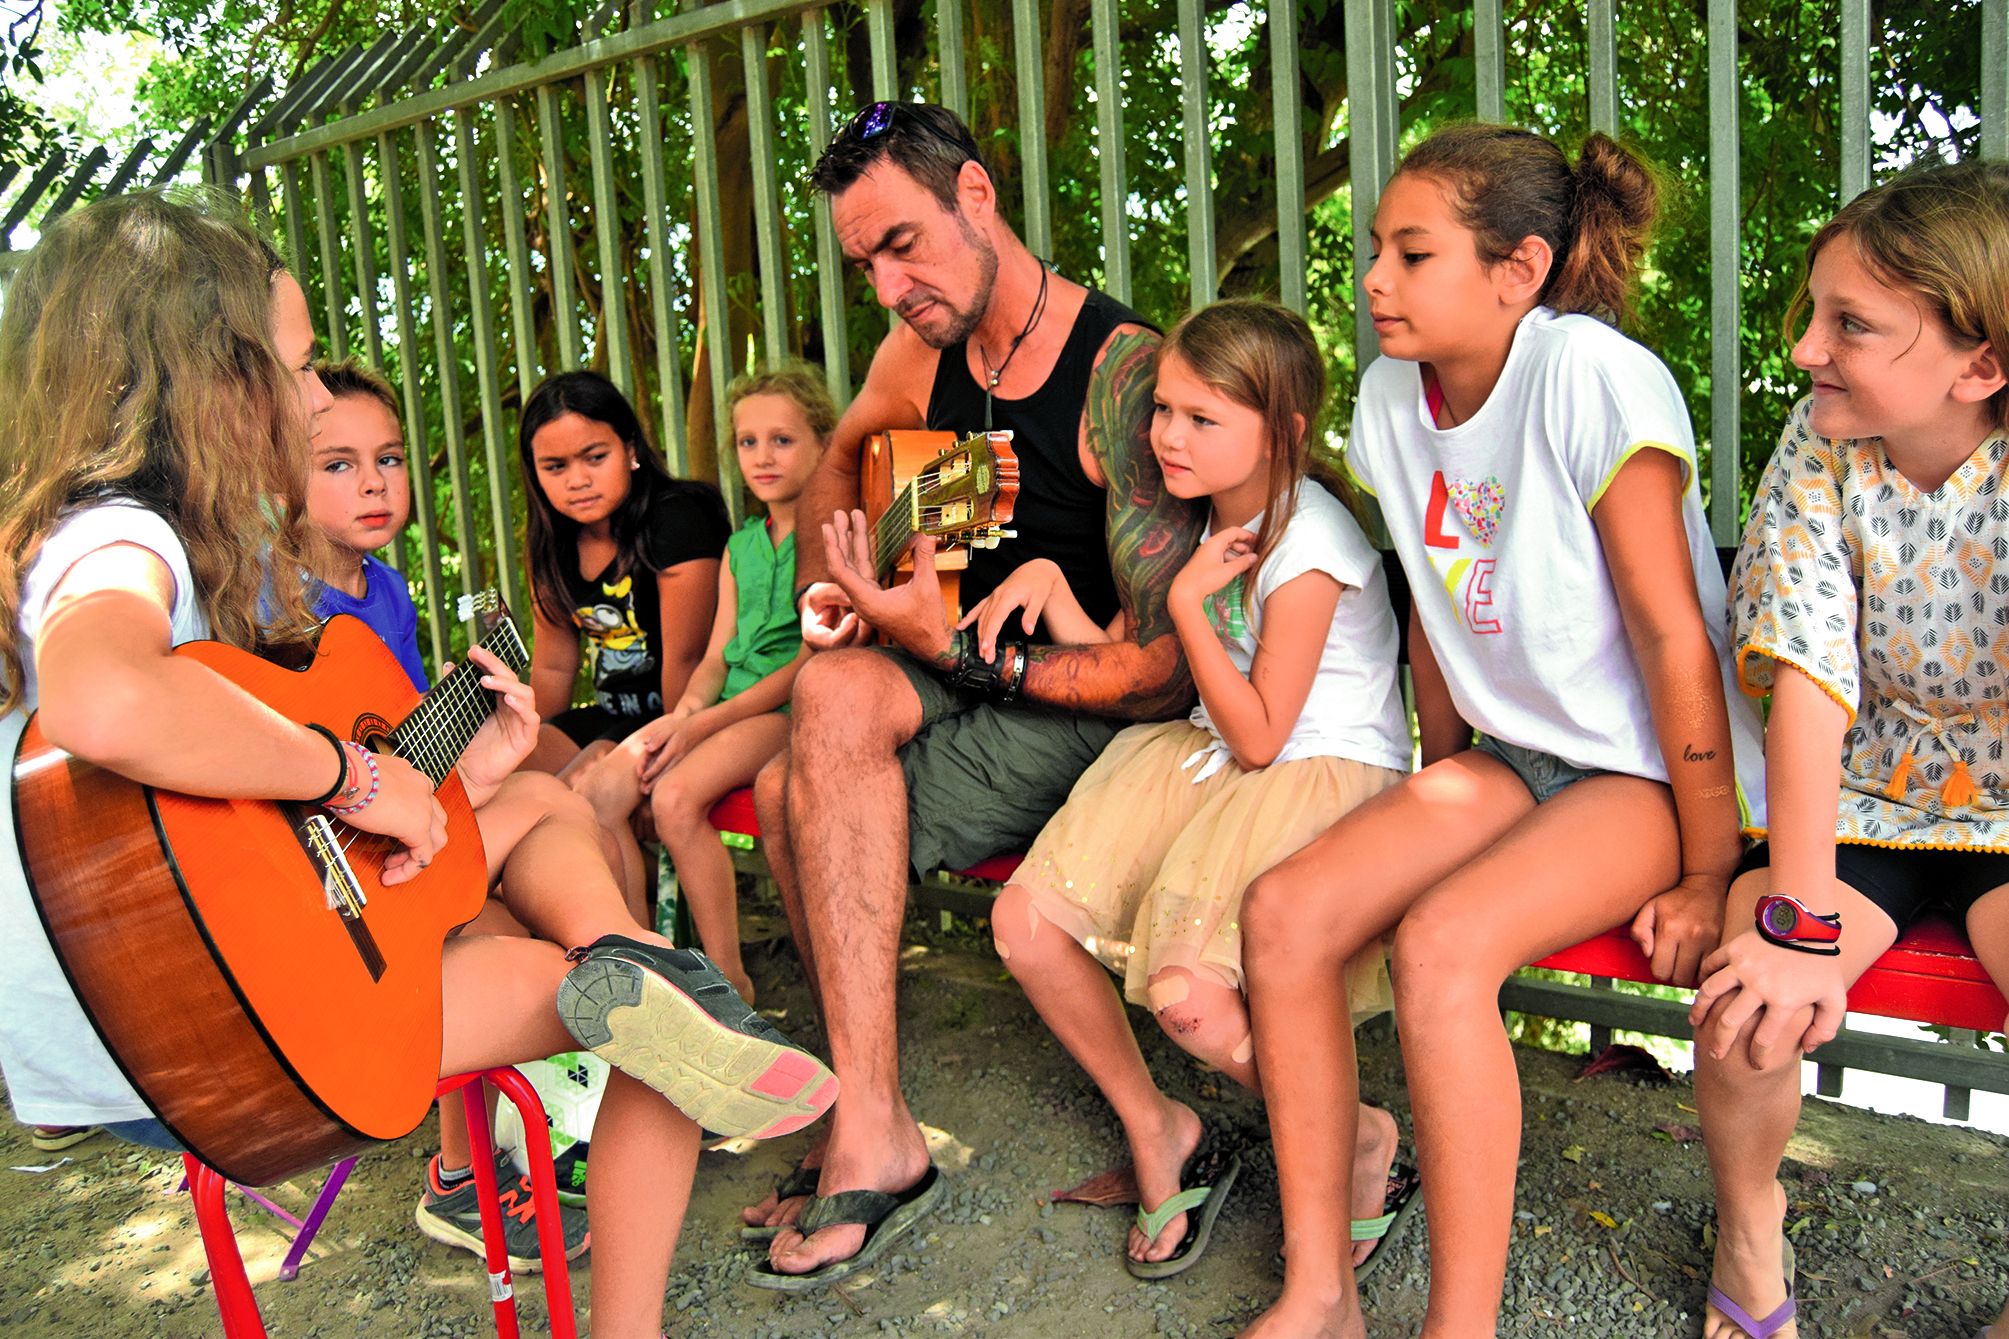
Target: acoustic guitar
273	1003
962	491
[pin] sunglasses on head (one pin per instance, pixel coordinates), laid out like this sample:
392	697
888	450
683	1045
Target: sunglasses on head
878	118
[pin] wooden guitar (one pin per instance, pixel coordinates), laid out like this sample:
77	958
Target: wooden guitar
273	1003
961	491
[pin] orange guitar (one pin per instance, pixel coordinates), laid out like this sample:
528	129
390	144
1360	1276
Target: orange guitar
269	999
916	482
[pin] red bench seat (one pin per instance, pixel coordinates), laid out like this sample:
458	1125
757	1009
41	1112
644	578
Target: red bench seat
1930	976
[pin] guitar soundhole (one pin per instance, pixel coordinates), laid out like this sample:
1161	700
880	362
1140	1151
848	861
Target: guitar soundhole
373	732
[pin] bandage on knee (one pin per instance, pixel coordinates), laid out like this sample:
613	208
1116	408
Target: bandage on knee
1167	990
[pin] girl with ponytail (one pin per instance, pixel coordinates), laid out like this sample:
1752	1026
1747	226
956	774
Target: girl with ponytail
1583	752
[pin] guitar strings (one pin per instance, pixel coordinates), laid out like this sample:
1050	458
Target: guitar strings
424	738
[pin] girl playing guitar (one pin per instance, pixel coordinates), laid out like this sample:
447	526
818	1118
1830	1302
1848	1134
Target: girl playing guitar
156	404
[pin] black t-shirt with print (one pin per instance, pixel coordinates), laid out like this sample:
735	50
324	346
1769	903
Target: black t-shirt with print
618	615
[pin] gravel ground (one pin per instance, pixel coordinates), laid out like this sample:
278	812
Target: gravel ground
1899	1225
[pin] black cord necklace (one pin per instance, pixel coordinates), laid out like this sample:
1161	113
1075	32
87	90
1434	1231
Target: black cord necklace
992	375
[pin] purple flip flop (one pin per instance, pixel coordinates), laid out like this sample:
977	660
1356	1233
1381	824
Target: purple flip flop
1770	1325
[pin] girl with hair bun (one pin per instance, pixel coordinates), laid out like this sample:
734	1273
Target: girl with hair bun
1581	763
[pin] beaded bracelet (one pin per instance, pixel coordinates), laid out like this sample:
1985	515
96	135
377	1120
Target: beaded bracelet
369	761
341	765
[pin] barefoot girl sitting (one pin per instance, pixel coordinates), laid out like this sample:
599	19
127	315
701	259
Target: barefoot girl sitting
1284	616
732	716
157	397
1536	472
1889	492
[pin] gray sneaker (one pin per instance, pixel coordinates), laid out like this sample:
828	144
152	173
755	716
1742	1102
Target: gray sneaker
669	1018
453	1217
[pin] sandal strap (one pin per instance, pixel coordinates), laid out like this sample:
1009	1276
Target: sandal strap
864	1208
1372	1229
799	1181
1151	1222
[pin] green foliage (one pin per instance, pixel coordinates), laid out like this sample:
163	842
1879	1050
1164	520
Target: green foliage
26	134
1924	73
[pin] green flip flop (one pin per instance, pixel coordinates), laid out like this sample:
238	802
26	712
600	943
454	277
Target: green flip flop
799	1181
1403	1194
884	1217
1204	1184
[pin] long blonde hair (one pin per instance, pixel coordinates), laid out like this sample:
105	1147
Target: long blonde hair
136	361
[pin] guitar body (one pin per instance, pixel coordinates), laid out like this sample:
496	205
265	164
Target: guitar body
198	933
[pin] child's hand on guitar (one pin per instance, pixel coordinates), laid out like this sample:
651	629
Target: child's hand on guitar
910	613
506	737
1030	587
405	811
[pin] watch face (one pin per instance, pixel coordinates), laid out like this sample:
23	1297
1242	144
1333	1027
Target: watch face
1780	918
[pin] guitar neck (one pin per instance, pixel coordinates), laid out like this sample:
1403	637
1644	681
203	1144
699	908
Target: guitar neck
893	531
437	732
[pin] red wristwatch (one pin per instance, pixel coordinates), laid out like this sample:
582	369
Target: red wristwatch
1784	921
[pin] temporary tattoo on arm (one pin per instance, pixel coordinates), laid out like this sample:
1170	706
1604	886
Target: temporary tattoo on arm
1689	753
1151	534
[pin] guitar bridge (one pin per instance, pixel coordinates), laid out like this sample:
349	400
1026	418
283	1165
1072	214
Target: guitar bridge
344	892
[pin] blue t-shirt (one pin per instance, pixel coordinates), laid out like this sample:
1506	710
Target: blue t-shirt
387	607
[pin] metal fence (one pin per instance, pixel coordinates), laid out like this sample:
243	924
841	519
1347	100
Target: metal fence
448	224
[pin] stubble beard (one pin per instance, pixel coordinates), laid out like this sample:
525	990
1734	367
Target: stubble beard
963	322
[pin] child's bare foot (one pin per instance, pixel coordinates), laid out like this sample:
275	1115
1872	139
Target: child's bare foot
1373	1159
1750	1271
778	1210
1160	1155
1301	1316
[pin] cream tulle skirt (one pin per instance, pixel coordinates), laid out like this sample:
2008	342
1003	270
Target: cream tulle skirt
1146	869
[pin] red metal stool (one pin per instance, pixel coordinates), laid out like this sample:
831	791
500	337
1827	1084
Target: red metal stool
233	1287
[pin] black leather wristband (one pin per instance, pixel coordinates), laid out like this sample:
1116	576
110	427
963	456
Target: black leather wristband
341	764
998	678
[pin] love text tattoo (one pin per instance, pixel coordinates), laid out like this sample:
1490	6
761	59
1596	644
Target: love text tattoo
1690	754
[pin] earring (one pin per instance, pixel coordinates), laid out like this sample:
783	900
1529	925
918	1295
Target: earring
634	462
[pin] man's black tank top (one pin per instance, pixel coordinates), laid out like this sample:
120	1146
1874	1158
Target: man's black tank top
1061	513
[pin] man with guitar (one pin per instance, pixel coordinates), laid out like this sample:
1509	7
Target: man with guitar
934	751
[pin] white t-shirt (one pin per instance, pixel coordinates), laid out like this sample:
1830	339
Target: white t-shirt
1354	709
1492	521
58	1072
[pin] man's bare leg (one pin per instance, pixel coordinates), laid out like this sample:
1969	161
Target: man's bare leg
847	824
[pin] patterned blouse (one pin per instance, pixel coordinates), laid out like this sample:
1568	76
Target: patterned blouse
1896	602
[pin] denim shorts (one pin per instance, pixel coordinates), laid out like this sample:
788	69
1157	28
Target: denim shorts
1543	774
148	1133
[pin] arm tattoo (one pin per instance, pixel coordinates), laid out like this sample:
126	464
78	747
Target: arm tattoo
1151	534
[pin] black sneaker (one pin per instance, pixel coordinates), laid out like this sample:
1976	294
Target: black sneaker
570	1169
453	1217
669	1018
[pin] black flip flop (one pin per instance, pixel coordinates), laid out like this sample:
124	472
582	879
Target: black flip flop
1404	1192
1204	1183
799	1181
885	1218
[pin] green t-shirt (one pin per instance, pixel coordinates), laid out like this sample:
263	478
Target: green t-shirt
766	630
